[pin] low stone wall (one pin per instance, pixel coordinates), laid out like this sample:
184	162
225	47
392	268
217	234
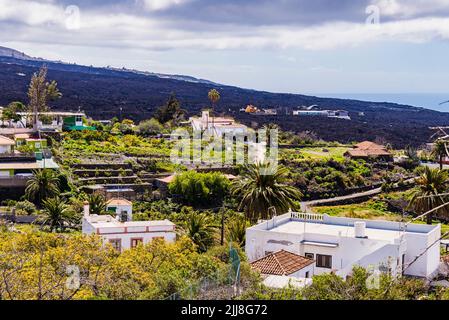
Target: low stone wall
18	219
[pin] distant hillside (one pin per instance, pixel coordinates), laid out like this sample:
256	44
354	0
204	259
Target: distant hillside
107	92
7	52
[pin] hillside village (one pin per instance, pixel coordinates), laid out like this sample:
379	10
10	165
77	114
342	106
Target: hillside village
101	194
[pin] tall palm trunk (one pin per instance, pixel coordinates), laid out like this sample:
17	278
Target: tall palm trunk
441	161
429	218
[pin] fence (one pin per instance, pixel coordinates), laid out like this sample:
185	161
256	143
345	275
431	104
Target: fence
306	216
223	284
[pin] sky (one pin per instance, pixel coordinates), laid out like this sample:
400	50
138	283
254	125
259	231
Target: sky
296	46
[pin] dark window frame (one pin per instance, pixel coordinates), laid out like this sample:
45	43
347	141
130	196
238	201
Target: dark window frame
309	255
324	261
116	244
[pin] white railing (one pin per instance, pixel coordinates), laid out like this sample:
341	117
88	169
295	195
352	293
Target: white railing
307	216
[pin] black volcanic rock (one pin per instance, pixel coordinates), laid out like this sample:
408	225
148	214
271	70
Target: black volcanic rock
102	92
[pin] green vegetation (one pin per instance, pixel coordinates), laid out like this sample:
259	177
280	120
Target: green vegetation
357	287
200	188
38	266
43	185
432	183
315	153
262	191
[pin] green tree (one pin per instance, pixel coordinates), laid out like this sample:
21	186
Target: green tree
262	187
57	215
236	230
214	97
11	112
427	195
43	184
439	151
97	204
171	111
195	188
150	127
200	228
40	92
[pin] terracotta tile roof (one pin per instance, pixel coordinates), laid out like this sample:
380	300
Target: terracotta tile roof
368	149
119	202
282	263
367	145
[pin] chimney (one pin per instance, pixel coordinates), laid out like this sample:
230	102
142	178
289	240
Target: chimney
86	209
123	216
359	229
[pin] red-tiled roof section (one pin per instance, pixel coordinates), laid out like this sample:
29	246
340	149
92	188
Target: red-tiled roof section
369	149
282	263
367	145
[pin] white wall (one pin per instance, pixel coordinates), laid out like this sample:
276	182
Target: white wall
147	237
5	149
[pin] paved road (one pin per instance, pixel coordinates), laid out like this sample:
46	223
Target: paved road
435	165
305	205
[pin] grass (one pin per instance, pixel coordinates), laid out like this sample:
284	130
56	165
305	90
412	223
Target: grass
315	153
336	153
374	210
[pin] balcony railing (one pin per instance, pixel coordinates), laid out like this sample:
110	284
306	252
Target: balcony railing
306	216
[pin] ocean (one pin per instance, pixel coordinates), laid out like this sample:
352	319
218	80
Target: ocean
424	100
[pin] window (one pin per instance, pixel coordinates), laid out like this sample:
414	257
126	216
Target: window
307	274
116	244
309	256
135	242
323	261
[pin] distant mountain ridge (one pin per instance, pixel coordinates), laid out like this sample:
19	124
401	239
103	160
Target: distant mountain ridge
8	52
15	54
108	92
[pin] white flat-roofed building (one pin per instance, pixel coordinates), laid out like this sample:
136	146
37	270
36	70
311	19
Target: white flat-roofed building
127	234
217	126
337	244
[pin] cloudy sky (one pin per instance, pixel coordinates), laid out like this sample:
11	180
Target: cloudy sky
300	46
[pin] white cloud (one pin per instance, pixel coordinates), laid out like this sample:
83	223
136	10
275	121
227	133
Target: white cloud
155	5
44	21
407	8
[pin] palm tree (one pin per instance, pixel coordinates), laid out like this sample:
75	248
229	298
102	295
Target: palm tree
261	187
97	204
201	229
237	231
214	97
57	214
439	151
427	195
43	184
268	128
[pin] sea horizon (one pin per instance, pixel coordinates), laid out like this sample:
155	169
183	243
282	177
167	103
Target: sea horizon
424	100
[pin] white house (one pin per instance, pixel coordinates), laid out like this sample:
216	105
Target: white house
119	207
6	145
126	234
340	114
337	244
217	126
